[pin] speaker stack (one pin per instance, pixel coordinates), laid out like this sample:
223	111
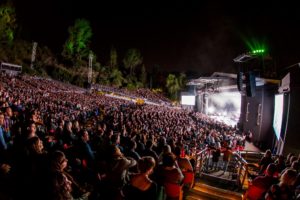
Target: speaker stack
240	81
250	84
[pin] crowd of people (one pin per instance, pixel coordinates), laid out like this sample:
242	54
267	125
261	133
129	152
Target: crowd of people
278	178
58	141
141	93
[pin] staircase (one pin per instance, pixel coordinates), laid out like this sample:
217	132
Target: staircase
252	157
202	191
217	185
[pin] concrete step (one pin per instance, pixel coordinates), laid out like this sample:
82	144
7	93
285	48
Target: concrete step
252	157
206	192
196	197
219	177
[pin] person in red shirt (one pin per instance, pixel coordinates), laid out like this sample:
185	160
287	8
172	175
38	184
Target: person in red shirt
261	184
226	158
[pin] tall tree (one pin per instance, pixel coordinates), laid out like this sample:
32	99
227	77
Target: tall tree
132	59
113	58
172	85
182	80
8	23
143	76
77	45
116	77
103	74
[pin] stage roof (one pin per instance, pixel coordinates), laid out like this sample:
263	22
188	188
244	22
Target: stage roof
219	81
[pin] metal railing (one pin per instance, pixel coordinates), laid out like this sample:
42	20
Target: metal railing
242	170
238	161
251	155
202	158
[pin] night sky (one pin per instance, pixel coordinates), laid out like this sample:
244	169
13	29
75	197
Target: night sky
199	36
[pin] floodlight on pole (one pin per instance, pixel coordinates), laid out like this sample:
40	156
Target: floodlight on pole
90	72
33	54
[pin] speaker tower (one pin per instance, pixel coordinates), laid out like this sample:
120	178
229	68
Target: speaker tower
250	84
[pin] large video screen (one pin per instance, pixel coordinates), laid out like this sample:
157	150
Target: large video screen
188	100
277	120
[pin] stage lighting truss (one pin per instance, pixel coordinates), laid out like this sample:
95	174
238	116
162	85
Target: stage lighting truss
207	87
207	84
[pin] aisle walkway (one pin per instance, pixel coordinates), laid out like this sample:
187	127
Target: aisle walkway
250	147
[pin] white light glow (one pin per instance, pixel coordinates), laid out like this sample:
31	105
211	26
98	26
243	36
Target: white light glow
211	110
226	106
